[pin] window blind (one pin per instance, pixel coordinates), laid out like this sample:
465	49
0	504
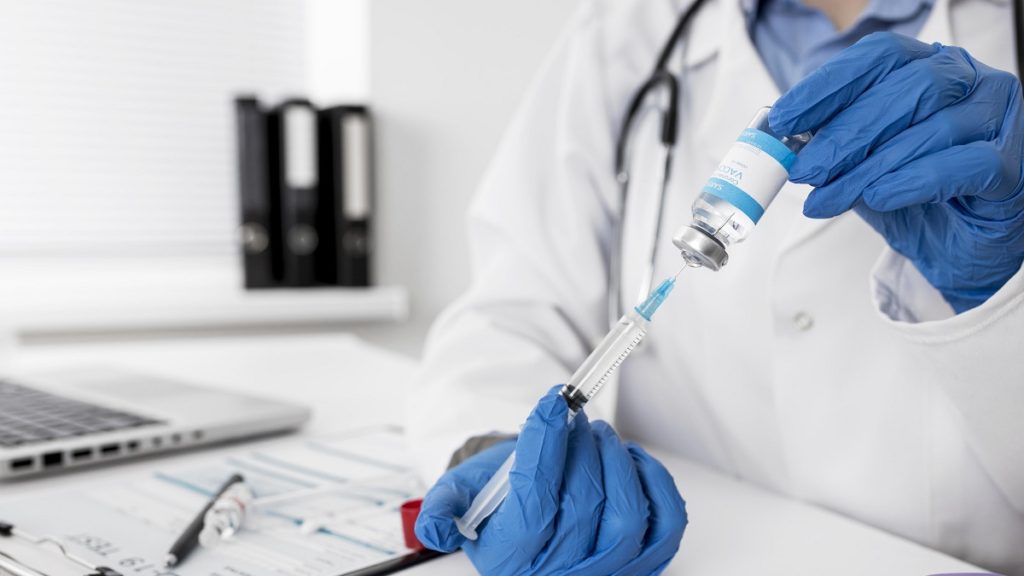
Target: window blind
117	120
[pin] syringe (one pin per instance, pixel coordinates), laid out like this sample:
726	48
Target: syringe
588	379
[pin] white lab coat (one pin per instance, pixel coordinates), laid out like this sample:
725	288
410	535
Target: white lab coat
817	363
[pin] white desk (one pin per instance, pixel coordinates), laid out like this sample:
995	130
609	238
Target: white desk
734	528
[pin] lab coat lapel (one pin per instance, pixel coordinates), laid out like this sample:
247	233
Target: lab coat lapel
741	84
702	40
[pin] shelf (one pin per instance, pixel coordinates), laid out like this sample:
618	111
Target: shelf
47	297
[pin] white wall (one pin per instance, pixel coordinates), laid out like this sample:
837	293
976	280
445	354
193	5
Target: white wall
446	76
337	50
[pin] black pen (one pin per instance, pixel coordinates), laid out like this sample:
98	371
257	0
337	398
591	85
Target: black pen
189	539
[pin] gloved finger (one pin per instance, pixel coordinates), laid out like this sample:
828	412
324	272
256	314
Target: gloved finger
961	171
957	125
879	221
526	521
905	97
667	515
620	537
838	83
451	496
907	229
896	227
581	504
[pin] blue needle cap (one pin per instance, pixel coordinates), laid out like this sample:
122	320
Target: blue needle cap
648	307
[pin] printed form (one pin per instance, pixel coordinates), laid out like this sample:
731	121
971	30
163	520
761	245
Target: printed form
325	507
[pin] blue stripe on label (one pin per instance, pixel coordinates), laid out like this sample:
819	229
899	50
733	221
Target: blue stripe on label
769	145
733	195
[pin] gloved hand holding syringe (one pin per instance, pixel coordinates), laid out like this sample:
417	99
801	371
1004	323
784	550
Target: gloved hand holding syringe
588	379
742	187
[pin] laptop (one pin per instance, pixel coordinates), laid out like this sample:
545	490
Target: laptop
91	416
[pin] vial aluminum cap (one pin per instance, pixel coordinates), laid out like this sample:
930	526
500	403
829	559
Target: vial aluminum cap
699	247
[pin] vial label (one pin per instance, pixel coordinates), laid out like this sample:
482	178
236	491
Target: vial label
752	173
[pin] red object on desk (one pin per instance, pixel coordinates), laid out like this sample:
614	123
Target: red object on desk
410	511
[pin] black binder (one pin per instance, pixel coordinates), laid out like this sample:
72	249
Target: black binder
254	194
293	146
346	196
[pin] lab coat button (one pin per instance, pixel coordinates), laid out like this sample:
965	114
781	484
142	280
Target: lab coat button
803	321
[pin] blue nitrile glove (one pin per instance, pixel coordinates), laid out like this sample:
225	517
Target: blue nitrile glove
925	143
581	502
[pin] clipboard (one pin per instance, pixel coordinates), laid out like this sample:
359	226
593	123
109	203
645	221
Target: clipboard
13	566
124	526
10	565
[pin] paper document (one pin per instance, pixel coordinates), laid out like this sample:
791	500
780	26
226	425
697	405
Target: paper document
332	508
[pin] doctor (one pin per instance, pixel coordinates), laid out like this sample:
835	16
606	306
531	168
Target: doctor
863	350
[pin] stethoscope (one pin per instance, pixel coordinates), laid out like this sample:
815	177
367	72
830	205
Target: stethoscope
666	84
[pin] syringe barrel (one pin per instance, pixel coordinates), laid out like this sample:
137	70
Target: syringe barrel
588	379
597	369
487	500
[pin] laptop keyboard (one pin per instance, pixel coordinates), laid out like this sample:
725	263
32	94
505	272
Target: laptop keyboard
30	416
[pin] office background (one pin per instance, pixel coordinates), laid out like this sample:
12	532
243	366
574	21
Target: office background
119	174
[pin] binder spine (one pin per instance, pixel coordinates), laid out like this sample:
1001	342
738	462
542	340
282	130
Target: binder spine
346	196
254	194
294	174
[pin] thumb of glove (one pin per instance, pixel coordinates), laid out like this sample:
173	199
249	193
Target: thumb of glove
451	496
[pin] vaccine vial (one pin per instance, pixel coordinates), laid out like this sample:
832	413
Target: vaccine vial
226	516
742	187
